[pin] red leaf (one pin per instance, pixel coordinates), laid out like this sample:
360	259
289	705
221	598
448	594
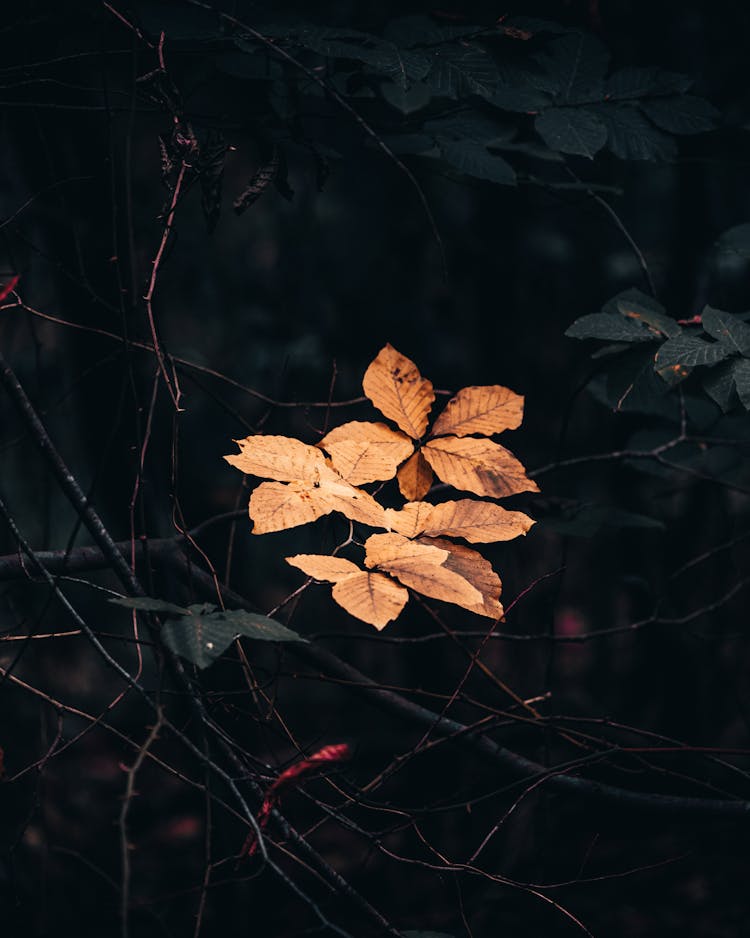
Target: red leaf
9	287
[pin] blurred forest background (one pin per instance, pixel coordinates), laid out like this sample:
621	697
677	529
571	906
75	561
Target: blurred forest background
364	224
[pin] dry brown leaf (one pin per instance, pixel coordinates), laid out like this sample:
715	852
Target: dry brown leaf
421	567
476	522
415	478
371	597
323	566
277	457
484	409
478	466
275	506
473	567
366	452
411	520
395	386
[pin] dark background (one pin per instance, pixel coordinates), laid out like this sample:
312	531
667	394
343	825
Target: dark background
279	299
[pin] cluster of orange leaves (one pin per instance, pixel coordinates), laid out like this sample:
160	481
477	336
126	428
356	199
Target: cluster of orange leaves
415	552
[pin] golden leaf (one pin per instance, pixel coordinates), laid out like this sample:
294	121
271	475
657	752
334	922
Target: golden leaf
323	567
371	597
395	386
415	478
484	409
477	522
366	452
411	520
472	566
275	506
421	567
478	466
277	457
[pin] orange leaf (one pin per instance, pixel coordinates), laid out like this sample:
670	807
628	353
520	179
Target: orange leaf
484	409
395	386
415	478
323	567
478	466
421	567
277	457
275	506
477	522
366	452
472	566
371	597
411	520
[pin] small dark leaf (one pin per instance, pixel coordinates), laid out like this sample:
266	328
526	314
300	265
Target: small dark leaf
147	604
729	329
634	308
682	114
612	328
210	167
205	632
464	69
406	100
257	185
575	65
473	159
741	375
718	383
637	82
631	137
735	240
572	130
677	357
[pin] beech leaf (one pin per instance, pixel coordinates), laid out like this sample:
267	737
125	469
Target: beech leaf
478	466
371	597
415	477
277	457
477	571
477	522
394	385
411	520
484	409
366	452
421	567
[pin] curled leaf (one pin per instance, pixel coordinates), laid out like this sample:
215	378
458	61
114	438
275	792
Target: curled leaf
277	457
478	466
477	522
415	477
477	571
371	597
421	567
484	409
394	385
366	452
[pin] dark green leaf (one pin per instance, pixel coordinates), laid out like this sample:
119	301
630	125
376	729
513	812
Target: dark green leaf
718	383
406	100
460	70
729	329
473	159
632	308
524	100
631	137
147	604
741	375
735	240
572	130
637	82
682	114
575	65
473	128
611	328
205	632
677	357
633	295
